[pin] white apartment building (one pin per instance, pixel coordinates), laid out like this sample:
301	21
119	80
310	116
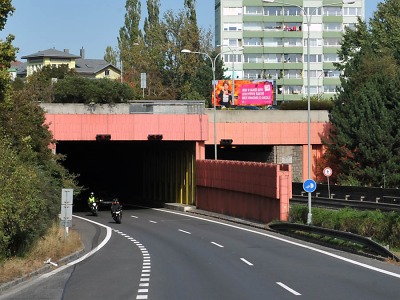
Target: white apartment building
267	39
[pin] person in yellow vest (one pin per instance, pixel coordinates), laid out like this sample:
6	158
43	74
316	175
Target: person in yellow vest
91	199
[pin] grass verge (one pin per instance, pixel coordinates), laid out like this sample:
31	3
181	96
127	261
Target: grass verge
53	245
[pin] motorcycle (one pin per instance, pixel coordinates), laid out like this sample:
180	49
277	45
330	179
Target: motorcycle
117	215
94	208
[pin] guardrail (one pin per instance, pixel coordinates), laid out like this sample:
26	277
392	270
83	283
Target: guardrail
380	251
341	203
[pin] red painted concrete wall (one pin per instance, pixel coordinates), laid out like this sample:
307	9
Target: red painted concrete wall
252	191
84	127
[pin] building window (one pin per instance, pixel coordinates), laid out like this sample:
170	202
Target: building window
315	11
272	58
253	58
292	42
232	11
331	57
314	58
107	72
332	42
293	74
252	74
232	58
292	11
273	42
330	89
253	10
352	11
332	11
333	27
314	43
273	11
253	26
252	42
233	27
273	26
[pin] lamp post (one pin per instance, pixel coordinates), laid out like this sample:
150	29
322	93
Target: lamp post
215	98
308	20
233	69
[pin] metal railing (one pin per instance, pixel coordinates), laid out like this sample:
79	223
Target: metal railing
166	107
377	250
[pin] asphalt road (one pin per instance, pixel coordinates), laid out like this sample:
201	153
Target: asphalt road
165	254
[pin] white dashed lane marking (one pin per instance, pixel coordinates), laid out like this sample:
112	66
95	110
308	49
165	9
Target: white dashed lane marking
246	261
142	292
218	245
288	289
187	232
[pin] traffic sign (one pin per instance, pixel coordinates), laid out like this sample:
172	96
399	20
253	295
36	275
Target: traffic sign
327	171
309	185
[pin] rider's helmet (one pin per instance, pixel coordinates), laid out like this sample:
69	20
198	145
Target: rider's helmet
115	201
91	194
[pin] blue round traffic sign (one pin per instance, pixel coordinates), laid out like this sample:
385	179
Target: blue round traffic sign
309	185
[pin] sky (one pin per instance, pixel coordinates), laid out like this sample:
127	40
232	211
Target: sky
90	24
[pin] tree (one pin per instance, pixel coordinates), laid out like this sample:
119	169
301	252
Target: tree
111	56
156	45
129	37
364	140
7	50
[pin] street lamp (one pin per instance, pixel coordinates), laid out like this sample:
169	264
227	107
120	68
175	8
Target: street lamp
214	87
308	20
233	69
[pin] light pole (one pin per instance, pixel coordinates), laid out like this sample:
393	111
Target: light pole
233	69
215	98
308	20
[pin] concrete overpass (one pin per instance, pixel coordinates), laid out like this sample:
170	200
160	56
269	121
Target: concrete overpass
187	134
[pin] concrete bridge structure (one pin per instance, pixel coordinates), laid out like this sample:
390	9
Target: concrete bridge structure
162	140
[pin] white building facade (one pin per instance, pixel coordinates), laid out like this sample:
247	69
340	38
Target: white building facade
268	40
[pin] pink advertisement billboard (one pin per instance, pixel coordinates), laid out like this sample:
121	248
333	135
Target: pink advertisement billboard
246	92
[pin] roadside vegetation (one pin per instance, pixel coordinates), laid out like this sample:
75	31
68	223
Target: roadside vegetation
381	227
53	245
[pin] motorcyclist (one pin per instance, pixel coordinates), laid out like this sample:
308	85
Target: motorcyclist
115	206
91	199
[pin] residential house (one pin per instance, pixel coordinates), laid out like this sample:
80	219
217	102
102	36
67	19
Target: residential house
89	68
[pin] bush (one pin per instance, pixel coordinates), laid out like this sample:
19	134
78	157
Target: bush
380	226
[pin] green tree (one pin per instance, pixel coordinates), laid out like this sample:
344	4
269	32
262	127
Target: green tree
83	90
364	139
129	37
111	56
7	50
156	44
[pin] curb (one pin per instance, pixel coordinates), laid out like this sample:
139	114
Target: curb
45	269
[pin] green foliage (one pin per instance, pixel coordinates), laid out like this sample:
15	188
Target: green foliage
7	50
303	105
364	141
84	90
111	56
380	226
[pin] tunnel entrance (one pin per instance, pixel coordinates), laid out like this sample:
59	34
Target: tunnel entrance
136	172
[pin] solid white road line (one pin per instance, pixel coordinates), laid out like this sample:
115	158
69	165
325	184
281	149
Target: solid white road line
351	261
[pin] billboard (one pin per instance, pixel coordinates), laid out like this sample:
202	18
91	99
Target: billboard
247	92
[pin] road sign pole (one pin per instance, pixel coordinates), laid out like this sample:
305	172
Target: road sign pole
309	186
328	172
329	190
